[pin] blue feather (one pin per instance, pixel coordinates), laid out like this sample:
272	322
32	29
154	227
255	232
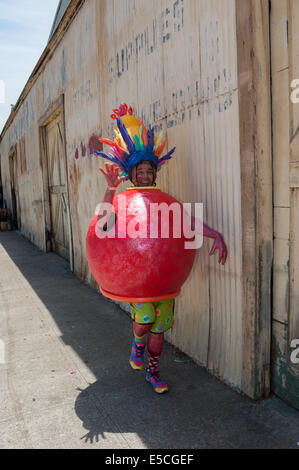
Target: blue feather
167	156
103	155
125	135
150	136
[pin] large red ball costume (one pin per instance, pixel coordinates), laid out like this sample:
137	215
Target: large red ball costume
140	269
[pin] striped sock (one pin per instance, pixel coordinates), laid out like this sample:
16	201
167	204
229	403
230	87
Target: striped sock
153	376
139	340
136	358
153	362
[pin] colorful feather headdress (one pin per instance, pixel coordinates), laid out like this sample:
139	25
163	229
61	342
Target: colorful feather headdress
133	142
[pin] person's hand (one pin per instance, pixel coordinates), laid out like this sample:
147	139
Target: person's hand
111	174
221	246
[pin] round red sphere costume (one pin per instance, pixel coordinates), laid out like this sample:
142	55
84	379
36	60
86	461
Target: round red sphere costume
141	269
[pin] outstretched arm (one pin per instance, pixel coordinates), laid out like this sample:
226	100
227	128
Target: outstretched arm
113	180
207	231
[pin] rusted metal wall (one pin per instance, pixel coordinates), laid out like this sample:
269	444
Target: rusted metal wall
285	109
176	63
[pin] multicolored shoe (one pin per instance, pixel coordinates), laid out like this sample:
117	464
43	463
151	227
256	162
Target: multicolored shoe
153	377
136	359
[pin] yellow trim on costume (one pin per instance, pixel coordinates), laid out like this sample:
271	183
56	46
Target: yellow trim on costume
143	187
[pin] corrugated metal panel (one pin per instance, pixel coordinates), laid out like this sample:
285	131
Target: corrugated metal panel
175	62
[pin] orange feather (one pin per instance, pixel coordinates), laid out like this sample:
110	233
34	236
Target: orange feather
144	133
160	148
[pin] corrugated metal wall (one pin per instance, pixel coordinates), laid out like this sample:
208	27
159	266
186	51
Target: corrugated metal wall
175	62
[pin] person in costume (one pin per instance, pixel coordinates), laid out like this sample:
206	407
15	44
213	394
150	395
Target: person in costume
136	155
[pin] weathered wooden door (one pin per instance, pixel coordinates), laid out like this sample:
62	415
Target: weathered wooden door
57	181
284	16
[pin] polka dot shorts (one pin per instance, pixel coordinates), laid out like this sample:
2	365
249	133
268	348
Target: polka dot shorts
159	314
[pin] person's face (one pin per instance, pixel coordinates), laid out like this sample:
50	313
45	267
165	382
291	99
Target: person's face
143	174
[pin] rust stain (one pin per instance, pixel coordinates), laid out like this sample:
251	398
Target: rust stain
83	150
83	268
54	243
22	155
94	144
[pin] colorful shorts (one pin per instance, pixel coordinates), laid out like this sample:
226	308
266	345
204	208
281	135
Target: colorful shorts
159	314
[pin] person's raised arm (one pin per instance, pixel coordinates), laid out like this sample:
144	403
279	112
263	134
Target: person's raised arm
113	180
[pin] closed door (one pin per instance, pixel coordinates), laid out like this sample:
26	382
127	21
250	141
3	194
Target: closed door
57	188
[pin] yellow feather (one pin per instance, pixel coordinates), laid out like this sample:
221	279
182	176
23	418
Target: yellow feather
121	140
158	142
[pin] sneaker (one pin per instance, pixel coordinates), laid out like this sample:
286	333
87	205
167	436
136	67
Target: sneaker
154	379
136	358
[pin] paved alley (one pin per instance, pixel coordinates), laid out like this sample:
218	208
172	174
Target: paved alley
65	381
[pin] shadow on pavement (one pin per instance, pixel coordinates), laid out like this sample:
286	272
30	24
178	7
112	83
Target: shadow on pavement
198	411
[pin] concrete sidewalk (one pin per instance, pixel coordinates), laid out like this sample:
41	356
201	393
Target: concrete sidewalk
65	381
